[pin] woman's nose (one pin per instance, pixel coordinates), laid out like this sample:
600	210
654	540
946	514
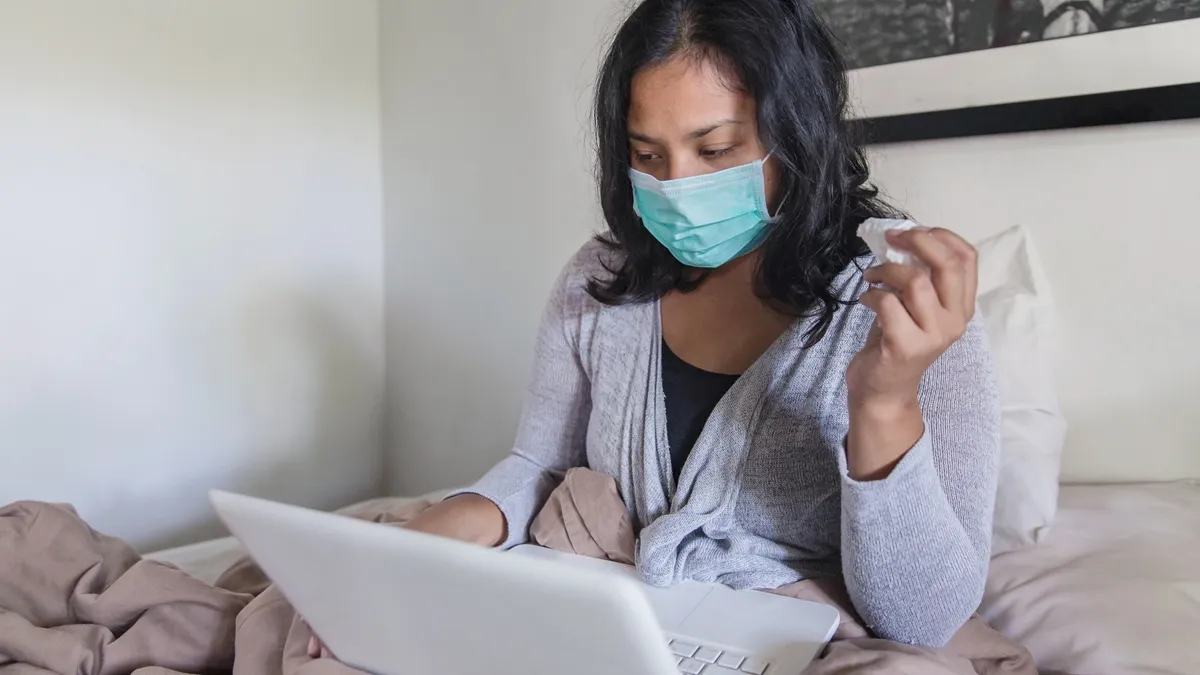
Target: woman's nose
683	168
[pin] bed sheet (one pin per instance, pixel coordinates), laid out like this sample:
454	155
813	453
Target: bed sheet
208	560
1113	589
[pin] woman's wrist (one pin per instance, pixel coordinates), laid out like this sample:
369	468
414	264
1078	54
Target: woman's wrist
882	430
884	407
467	517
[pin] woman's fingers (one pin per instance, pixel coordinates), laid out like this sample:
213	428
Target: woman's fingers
894	321
947	266
914	288
970	262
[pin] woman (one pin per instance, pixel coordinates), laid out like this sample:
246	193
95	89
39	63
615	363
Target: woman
767	414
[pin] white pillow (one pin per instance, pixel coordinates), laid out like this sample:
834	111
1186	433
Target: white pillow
1014	298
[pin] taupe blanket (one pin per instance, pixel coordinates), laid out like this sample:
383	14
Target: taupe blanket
75	602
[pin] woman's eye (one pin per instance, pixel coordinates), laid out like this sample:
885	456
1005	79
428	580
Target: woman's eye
645	156
717	152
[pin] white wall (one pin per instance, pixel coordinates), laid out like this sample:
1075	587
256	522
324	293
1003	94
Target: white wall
1113	216
487	173
190	282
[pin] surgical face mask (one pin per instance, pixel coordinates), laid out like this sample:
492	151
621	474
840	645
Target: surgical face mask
705	221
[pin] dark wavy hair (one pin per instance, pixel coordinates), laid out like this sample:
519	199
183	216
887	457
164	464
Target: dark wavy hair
781	53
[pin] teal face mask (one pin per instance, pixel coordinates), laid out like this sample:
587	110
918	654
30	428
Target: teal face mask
705	221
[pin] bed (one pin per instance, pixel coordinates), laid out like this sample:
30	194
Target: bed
1114	589
208	560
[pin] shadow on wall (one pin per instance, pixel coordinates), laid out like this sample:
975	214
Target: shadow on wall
453	409
298	389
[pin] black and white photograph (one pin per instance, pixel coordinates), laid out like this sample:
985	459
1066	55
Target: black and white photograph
878	32
930	69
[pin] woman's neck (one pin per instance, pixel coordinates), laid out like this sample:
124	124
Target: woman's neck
735	280
722	326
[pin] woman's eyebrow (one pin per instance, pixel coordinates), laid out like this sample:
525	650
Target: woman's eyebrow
694	135
704	131
643	138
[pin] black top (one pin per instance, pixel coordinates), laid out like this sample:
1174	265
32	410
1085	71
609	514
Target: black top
690	395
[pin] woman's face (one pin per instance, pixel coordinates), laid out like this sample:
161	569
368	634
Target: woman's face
685	120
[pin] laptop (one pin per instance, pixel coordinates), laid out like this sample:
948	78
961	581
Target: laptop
391	601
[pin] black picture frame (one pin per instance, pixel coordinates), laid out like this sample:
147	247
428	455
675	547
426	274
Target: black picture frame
1135	106
1133	75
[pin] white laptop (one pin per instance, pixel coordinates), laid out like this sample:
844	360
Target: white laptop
394	602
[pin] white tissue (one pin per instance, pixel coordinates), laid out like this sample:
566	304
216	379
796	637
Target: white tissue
874	232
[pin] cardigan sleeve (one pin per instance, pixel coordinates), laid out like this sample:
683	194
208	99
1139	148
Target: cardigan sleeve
916	545
551	437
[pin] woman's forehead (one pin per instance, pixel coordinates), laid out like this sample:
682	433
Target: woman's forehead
683	95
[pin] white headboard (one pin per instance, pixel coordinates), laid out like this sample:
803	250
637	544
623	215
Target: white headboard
1112	215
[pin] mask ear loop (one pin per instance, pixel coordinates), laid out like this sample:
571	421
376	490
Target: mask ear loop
772	217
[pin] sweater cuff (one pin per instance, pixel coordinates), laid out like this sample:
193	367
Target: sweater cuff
519	489
914	479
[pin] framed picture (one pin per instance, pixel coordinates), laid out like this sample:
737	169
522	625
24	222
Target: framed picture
927	69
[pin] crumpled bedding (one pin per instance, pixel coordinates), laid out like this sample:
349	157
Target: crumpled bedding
76	602
1114	589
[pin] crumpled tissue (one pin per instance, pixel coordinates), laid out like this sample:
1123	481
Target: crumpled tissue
874	232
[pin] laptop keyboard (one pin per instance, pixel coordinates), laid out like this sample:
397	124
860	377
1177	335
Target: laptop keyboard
695	659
